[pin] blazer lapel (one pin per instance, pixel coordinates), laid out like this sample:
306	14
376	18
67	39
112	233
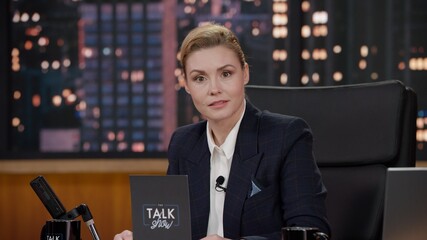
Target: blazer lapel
244	166
199	179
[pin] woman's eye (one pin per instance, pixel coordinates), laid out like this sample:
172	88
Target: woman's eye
199	78
226	74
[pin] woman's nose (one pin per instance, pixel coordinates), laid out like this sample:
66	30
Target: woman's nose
215	87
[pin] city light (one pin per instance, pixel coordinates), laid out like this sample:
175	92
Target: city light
421	135
56	64
280	7
305	31
25	17
16	121
189	10
106	51
43	41
364	51
305	54
418	64
401	66
56	100
16	66
337	49
374	76
137	76
305	79
36	100
337	76
124	75
280	32
81	106
66	62
71	99
320	31
122	146
138	147
33	31
118	52
320	17
60	42
66	92
280	19
255	31
420	122
17	95
16	17
316	77
111	136
283	78
35	17
96	112
320	54
305	6
44	65
87	52
363	64
280	55
121	136
28	45
86	146
104	147
178	72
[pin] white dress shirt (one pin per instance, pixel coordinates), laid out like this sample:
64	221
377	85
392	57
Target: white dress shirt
221	157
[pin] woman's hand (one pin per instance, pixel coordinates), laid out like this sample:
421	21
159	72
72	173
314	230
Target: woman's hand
125	235
212	237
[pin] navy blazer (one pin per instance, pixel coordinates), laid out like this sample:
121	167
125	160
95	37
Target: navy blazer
272	151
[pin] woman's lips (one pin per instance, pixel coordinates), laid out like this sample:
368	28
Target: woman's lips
218	104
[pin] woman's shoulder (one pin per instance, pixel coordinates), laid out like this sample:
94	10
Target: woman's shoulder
194	129
185	137
269	117
273	120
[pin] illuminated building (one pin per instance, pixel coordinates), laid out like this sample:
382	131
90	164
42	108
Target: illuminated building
118	60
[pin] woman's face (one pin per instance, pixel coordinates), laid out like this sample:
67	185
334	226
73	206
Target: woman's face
216	82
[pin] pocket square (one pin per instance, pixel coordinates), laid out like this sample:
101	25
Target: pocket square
255	189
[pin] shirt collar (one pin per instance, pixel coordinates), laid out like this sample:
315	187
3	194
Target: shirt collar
230	142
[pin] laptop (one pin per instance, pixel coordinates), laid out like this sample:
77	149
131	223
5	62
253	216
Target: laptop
405	209
160	207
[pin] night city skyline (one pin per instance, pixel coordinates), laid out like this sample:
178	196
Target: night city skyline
103	76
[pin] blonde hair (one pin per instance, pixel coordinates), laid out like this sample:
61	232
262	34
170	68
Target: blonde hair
207	36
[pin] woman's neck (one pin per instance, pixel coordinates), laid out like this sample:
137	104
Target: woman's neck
221	129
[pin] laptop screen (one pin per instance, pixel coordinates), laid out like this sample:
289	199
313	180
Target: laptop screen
405	209
160	207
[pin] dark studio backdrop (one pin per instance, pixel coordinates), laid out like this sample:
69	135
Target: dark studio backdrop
100	78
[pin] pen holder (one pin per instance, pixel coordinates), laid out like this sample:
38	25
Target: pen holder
57	229
302	233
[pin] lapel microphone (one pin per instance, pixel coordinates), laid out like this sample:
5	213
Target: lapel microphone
219	181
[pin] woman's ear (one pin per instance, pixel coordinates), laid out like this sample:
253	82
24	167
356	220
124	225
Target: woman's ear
183	81
246	73
186	87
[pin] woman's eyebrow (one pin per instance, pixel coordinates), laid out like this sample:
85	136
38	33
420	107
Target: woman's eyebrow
225	66
218	69
196	71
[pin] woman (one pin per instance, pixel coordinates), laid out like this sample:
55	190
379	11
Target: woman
270	178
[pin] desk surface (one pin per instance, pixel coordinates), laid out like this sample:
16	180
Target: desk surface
93	165
83	166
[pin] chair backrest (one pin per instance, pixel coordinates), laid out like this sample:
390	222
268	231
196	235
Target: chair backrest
359	131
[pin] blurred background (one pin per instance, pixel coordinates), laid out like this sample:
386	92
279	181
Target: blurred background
91	79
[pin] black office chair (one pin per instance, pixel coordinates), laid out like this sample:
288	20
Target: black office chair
359	131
